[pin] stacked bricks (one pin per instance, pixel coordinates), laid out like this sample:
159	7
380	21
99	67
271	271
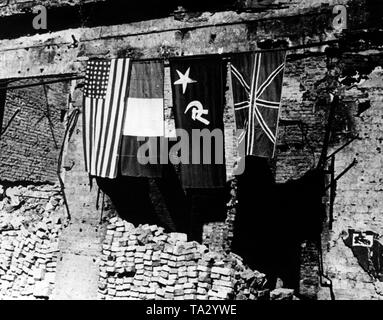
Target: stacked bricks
146	263
29	233
218	236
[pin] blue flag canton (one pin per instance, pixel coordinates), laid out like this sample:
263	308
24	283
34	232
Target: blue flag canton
97	78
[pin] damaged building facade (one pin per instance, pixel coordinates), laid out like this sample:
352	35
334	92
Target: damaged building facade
60	236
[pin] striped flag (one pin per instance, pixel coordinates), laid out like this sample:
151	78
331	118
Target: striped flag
106	84
144	118
257	88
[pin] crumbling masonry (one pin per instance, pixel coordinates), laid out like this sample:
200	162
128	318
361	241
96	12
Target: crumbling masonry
52	256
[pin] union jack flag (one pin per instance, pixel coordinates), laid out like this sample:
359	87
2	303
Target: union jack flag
257	88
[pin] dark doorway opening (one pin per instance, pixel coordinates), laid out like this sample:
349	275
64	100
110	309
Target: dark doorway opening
274	219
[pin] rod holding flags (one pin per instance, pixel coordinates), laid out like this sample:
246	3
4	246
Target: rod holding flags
124	101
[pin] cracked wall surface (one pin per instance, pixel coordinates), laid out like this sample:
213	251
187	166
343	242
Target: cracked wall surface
353	70
359	200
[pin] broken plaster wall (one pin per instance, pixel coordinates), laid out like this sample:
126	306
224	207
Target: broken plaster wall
59	53
64	51
359	200
358	203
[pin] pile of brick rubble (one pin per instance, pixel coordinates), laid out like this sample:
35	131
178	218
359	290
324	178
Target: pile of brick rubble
31	219
136	263
147	263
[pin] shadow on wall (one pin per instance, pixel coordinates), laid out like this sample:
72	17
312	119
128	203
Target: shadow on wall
167	204
271	223
273	219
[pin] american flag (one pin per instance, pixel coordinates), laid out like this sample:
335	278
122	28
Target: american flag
106	83
257	87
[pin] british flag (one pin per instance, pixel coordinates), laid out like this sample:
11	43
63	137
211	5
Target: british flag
257	88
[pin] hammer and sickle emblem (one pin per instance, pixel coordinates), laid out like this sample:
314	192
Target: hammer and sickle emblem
197	111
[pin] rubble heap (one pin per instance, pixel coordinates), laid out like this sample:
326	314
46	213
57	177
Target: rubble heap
31	219
140	262
147	263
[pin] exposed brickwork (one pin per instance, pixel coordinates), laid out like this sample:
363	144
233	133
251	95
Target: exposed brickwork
305	98
33	133
359	198
359	194
298	149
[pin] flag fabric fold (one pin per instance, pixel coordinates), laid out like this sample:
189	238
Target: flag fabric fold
257	80
103	112
198	101
144	119
124	101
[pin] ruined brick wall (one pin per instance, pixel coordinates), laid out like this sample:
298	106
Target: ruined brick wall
359	200
359	196
308	75
298	148
300	140
33	131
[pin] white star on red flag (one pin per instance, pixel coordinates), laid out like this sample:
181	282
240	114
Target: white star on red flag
184	80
